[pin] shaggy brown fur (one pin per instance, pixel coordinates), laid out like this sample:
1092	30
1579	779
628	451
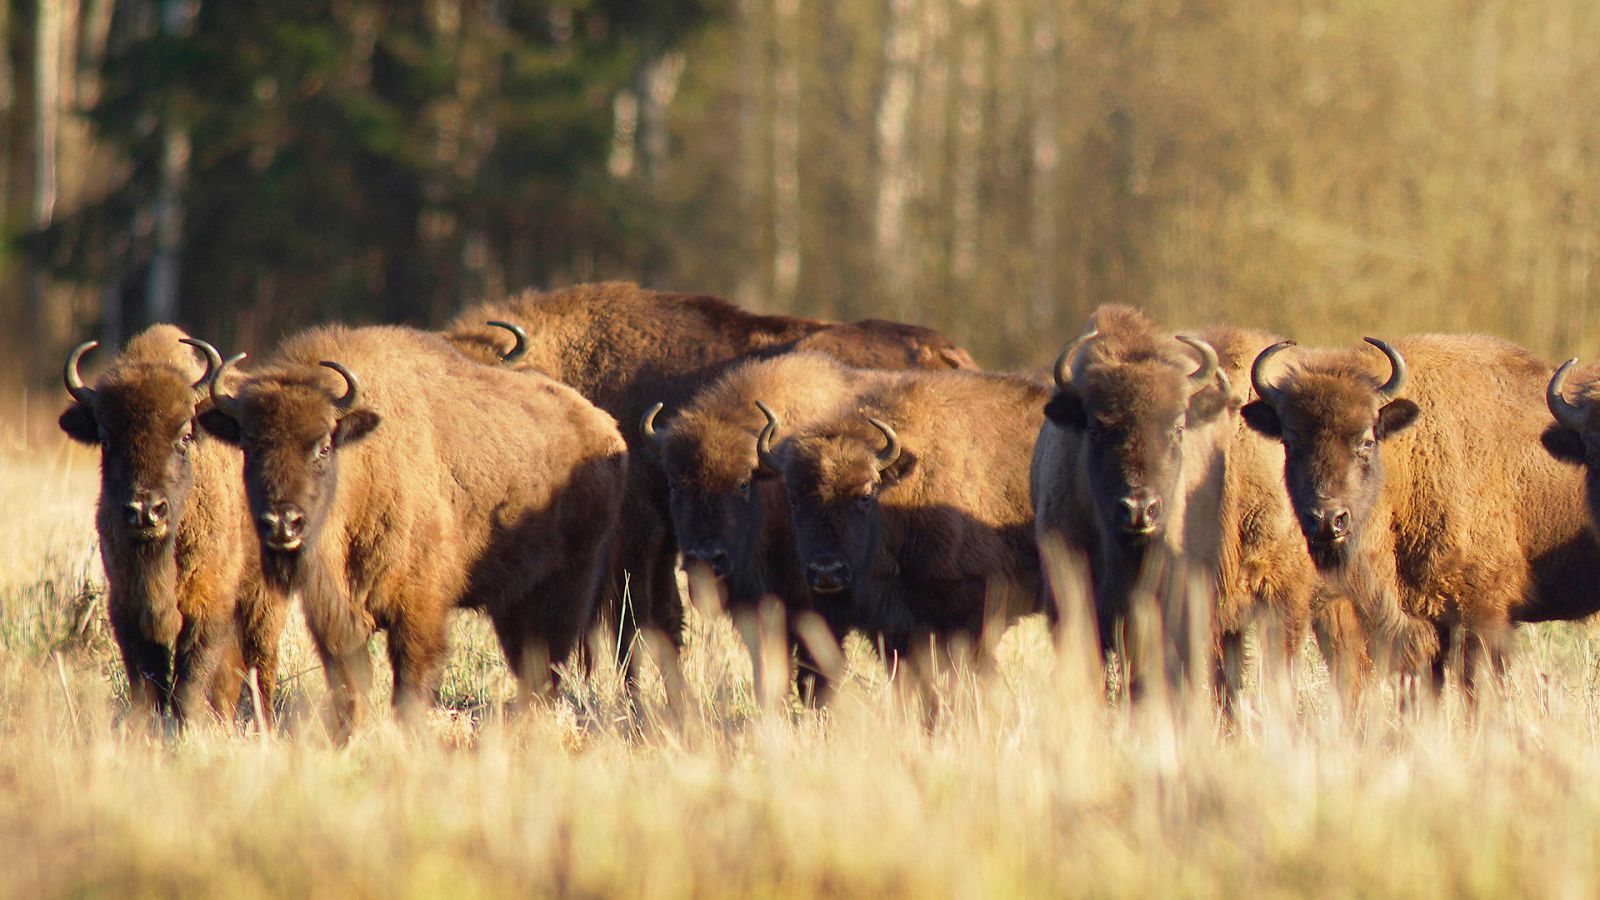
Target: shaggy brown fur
731	516
1129	427
182	592
940	542
447	484
626	348
1460	519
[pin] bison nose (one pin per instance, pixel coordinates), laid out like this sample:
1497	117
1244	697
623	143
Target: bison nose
146	512
1141	511
828	575
1329	524
282	528
714	558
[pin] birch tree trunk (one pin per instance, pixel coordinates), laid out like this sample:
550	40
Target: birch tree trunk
161	289
46	124
786	153
893	176
1045	162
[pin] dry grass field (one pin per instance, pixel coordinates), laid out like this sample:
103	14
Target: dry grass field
1028	782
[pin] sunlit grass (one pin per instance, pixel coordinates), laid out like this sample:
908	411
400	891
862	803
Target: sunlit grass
1026	782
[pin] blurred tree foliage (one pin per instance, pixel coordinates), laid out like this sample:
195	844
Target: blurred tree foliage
371	161
996	168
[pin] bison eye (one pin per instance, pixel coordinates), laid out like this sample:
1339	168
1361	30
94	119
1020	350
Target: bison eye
1366	448
744	488
864	502
184	442
324	449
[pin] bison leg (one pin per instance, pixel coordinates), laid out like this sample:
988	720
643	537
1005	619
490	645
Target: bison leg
261	624
417	649
148	664
1228	675
541	631
349	671
208	668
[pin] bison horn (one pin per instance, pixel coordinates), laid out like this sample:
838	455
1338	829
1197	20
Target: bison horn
1204	376
764	457
647	423
1063	368
213	361
1397	366
891	451
520	348
1567	413
74	381
352	385
220	398
1264	390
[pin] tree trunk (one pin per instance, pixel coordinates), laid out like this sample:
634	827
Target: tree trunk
786	154
894	179
161	290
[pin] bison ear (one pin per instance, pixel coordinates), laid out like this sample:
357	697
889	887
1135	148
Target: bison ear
355	425
1066	410
1396	416
220	425
1207	404
899	469
79	424
1262	419
1563	443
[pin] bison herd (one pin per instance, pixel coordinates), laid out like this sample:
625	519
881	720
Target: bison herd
550	458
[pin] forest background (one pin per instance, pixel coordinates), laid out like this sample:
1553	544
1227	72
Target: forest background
995	168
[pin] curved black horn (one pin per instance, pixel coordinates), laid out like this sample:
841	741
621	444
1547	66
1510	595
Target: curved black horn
213	361
1264	390
1567	413
1397	366
352	385
891	451
520	348
1204	376
764	457
74	381
1063	368
647	422
220	398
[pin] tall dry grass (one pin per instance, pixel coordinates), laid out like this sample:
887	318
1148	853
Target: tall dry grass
1027	782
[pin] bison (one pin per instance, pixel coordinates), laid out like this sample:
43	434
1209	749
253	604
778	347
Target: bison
174	534
1424	494
626	349
913	503
1142	466
730	513
391	478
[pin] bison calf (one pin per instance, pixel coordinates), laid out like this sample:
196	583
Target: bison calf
1423	492
391	479
914	502
174	534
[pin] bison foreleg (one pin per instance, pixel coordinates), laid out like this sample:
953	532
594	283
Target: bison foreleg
261	624
147	662
417	650
349	671
208	668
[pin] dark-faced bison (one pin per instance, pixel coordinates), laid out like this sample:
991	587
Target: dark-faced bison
626	349
174	534
1421	488
913	501
391	478
1142	465
729	512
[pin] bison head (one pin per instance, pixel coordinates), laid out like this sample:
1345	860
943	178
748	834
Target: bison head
713	493
141	415
1133	415
1332	420
1575	436
290	427
833	478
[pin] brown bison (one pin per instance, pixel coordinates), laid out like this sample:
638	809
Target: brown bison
626	349
392	479
174	533
913	503
1423	492
1143	466
730	514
